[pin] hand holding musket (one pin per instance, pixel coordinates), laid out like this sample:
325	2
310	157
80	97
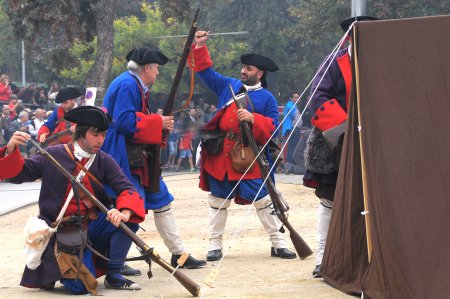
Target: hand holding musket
53	139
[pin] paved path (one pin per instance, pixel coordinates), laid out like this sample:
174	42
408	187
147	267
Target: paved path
13	197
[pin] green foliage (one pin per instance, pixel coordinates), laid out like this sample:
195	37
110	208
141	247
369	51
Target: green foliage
130	32
273	32
10	49
297	34
82	52
179	9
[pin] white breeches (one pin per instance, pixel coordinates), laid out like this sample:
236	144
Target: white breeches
167	228
218	214
270	222
323	223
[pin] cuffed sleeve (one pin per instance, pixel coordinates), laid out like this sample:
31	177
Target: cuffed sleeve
202	60
263	128
130	199
43	130
148	129
329	115
11	165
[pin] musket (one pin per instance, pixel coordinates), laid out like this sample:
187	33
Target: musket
279	205
54	137
155	167
145	250
208	34
181	65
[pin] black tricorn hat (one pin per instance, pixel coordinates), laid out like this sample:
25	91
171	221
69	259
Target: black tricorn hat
144	55
262	62
345	24
67	94
89	116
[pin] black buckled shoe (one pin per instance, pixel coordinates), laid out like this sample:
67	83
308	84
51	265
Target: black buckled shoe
128	271
283	253
214	255
120	283
316	272
49	286
190	263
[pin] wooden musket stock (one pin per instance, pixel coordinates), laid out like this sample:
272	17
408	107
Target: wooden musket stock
188	283
279	205
54	137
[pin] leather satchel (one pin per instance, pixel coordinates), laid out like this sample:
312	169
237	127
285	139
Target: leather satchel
71	238
135	155
212	141
241	157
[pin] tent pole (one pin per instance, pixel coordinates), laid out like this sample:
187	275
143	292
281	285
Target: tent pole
363	164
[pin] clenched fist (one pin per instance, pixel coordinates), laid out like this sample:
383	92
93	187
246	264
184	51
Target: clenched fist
200	38
168	123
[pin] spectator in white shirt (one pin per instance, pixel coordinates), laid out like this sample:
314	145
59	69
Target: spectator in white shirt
40	115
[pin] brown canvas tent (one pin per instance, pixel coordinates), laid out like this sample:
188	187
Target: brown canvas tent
396	157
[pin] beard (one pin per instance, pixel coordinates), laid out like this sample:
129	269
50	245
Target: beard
249	80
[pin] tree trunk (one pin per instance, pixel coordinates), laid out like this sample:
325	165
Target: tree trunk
99	73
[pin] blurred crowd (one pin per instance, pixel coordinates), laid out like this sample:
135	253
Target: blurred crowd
183	144
294	134
24	109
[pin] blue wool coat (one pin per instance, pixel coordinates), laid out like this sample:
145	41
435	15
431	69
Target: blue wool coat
131	124
122	100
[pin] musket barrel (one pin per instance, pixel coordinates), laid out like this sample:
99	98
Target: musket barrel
176	81
209	34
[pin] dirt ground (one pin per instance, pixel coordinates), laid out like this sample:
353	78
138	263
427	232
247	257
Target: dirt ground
247	271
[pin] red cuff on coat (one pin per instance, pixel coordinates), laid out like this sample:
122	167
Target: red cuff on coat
11	165
202	60
263	128
148	129
329	115
43	130
130	199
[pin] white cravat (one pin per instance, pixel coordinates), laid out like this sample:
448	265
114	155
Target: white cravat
253	87
80	153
